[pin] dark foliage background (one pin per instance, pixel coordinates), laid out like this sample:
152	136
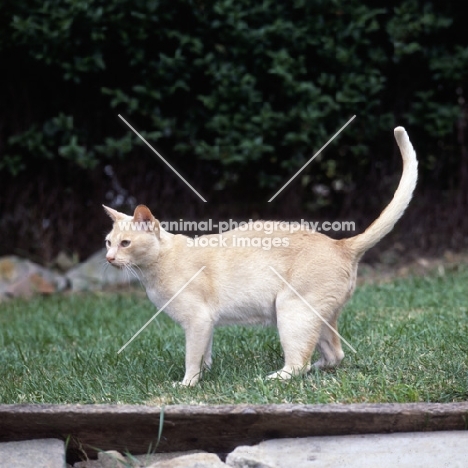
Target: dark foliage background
237	95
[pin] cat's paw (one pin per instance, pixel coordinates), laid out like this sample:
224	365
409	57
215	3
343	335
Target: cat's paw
320	364
324	364
183	384
280	375
187	382
288	372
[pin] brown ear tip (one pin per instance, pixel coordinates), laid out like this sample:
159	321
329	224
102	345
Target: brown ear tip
142	209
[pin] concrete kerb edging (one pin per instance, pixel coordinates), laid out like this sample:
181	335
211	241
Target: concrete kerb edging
218	429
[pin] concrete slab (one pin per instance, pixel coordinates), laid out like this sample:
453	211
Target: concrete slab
402	450
40	453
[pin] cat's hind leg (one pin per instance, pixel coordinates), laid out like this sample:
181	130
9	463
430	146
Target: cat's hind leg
207	356
329	344
299	330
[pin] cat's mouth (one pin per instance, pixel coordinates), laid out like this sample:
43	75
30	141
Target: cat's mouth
115	264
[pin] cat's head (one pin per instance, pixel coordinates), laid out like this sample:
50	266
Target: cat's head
134	240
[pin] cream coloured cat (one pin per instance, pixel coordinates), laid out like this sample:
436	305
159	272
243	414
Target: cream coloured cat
300	283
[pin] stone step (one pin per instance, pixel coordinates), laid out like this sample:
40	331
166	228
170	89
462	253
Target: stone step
402	450
39	453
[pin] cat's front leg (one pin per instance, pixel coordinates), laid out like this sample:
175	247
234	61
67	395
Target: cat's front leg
198	339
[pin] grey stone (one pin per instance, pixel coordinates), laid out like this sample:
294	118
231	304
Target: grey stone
95	273
43	453
65	262
152	458
403	450
22	278
251	457
88	464
198	460
112	459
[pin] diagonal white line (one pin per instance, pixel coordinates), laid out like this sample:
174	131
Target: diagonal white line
162	159
161	309
312	309
312	158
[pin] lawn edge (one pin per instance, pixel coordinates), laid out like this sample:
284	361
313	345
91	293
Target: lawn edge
215	428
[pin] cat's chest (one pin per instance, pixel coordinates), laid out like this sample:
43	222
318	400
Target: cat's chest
177	305
156	297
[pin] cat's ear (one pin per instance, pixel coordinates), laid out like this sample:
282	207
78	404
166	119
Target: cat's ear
114	214
145	219
142	214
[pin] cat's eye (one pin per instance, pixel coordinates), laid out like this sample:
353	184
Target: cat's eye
108	243
125	243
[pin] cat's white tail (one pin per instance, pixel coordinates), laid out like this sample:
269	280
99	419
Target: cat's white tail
392	213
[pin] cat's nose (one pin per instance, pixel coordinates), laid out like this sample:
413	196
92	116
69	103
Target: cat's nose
110	254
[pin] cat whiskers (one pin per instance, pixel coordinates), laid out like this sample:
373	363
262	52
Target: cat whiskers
132	268
104	267
134	265
128	272
121	267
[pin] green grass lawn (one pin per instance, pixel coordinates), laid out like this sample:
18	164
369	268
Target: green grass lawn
411	338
